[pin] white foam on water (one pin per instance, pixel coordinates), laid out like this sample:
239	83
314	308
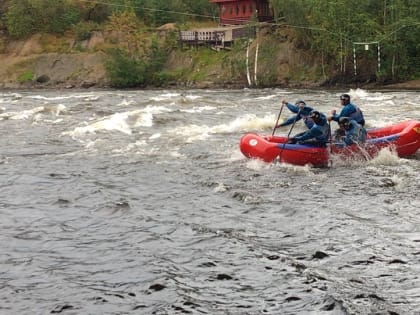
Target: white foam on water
155	109
143	147
192	97
247	122
155	136
257	165
268	97
399	182
220	188
192	133
371	96
198	109
123	122
114	122
165	97
295	169
33	113
139	145
358	93
177	155
87	97
26	114
10	97
126	103
236	155
386	156
252	122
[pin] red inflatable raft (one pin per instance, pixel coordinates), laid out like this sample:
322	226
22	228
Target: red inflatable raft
403	138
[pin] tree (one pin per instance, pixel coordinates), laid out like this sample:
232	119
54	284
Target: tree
20	21
26	17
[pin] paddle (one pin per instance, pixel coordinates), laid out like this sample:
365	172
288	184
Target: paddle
288	135
331	142
330	135
278	118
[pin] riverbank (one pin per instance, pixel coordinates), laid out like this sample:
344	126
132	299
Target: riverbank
409	85
48	62
413	85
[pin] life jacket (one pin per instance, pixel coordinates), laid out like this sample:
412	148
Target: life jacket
324	128
304	115
308	122
356	133
357	114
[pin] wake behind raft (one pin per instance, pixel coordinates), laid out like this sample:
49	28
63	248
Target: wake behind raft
403	138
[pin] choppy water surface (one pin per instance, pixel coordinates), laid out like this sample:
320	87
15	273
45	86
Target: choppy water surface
140	202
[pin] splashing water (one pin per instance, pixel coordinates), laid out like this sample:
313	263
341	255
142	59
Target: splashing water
141	202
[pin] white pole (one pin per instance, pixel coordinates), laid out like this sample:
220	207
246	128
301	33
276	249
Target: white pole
341	54
248	76
256	65
354	59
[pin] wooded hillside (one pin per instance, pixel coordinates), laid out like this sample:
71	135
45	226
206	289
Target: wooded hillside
309	41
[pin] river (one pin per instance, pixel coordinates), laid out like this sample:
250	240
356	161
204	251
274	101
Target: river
140	202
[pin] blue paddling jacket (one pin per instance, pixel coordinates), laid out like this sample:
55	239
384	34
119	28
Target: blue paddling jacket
320	132
353	112
354	134
304	114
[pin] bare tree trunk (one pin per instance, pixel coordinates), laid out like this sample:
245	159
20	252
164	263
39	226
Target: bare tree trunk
256	65
393	67
248	76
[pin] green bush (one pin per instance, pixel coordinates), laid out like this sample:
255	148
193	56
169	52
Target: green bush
19	23
60	19
26	17
124	71
84	30
27	76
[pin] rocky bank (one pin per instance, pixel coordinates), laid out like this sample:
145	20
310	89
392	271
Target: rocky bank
39	62
50	69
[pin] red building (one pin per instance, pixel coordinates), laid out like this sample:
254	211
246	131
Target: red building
242	11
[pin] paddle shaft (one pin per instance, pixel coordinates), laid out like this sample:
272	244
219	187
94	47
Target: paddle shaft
331	140
288	135
331	143
278	118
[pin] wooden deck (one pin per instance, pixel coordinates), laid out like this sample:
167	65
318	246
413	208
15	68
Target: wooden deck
218	36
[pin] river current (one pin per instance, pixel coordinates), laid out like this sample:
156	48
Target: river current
140	202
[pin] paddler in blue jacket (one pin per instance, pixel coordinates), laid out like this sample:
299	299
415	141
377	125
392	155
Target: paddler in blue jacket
349	110
353	133
319	133
301	110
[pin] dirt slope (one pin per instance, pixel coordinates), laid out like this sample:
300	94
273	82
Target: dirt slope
57	62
